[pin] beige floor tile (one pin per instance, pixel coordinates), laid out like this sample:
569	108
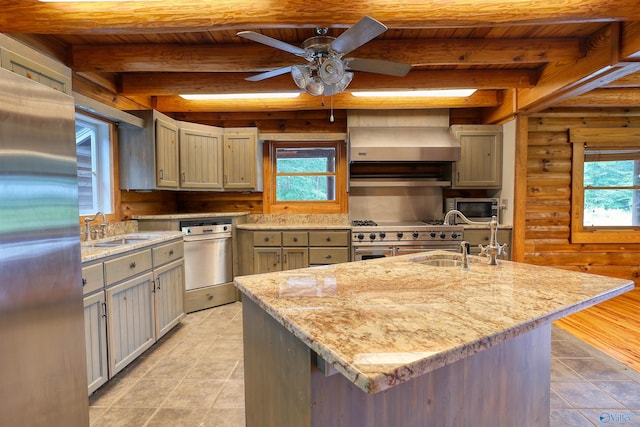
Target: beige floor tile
146	393
172	368
224	417
174	417
568	418
111	391
192	394
124	417
212	368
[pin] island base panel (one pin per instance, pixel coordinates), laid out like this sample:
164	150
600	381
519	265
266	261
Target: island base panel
504	386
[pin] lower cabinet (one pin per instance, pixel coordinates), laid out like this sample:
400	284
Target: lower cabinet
169	297
130	326
95	334
277	250
130	301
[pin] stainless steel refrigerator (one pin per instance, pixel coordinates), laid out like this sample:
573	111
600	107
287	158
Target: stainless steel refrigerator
43	379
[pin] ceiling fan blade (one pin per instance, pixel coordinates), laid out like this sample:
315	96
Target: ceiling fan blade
361	32
269	74
270	41
378	66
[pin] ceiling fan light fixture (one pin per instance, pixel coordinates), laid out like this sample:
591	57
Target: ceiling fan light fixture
340	86
315	86
331	71
301	75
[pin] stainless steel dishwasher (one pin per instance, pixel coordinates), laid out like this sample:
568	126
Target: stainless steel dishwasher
207	254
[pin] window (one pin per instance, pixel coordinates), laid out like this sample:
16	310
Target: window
306	177
605	185
93	151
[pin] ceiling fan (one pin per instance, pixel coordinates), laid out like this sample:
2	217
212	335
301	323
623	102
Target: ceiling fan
327	72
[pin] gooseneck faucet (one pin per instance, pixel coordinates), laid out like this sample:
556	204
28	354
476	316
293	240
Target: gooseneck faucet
494	249
87	221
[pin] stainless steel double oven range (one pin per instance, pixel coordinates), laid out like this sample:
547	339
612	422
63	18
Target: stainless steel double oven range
370	239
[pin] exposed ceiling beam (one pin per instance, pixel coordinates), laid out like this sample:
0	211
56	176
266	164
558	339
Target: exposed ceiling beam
562	81
29	16
167	104
182	83
252	57
605	98
631	80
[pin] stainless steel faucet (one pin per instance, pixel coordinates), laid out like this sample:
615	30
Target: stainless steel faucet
464	249
494	249
87	227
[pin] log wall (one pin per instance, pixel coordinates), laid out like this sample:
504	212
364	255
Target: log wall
547	207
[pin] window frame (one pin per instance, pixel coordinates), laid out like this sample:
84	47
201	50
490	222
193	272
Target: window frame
597	138
106	168
272	205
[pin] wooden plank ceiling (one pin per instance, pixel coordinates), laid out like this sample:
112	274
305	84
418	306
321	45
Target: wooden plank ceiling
522	56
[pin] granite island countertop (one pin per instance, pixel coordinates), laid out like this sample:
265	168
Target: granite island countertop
386	321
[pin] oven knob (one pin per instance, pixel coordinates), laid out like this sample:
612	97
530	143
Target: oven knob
383	234
442	235
360	236
415	234
433	234
454	235
372	236
400	234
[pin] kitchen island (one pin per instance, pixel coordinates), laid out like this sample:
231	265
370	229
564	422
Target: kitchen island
407	341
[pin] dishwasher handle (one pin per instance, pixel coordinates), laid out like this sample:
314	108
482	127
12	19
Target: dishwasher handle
210	236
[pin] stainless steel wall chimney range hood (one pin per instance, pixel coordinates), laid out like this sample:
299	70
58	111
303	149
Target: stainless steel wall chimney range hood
403	144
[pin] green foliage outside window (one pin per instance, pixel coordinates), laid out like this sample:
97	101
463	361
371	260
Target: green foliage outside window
605	202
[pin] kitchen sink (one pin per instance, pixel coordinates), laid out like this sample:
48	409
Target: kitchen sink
116	242
444	260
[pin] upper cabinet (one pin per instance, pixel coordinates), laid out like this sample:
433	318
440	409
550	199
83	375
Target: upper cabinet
23	60
242	159
480	164
168	154
200	154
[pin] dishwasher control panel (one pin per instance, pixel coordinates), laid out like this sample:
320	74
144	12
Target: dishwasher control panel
199	227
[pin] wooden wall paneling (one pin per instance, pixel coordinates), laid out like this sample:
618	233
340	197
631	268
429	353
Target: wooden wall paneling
520	189
210	201
147	203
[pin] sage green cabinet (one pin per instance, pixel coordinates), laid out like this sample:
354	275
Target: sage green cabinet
264	251
242	159
200	157
480	164
148	156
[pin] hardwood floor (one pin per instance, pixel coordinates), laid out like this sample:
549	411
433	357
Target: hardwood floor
613	327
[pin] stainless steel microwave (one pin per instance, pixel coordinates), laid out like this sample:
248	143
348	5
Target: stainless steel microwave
476	209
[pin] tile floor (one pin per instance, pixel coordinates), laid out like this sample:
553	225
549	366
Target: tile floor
194	377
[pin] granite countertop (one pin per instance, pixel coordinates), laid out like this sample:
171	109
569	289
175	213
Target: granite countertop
189	215
275	226
91	252
386	321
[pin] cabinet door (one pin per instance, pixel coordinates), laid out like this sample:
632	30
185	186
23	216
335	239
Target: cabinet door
480	164
266	260
130	330
200	159
240	161
297	257
95	333
166	154
169	296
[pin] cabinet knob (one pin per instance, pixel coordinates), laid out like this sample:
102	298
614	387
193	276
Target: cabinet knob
132	265
328	257
171	252
328	239
209	297
266	239
295	239
84	281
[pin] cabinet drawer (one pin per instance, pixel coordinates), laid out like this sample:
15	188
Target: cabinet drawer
167	253
295	238
328	238
328	255
92	278
211	296
267	238
127	266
